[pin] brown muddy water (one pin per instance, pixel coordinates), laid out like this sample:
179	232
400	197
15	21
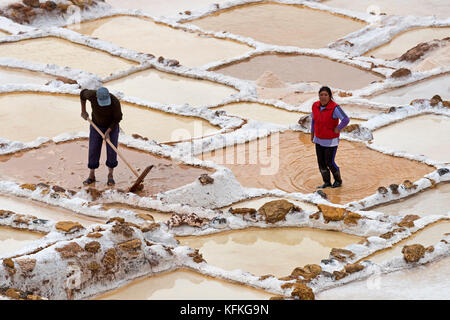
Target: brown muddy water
26	116
51	50
280	24
165	88
292	68
248	249
182	284
144	35
12	240
288	162
65	165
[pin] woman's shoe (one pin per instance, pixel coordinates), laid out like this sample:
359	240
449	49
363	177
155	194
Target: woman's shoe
325	185
336	184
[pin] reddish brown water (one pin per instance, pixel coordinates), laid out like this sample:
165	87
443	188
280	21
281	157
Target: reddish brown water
288	162
65	164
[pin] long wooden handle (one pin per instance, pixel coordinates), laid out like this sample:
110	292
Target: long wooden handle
113	147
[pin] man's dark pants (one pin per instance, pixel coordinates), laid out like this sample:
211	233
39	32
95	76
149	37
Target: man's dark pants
95	147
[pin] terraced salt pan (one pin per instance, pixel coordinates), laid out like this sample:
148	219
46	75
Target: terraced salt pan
156	86
407	40
288	162
12	240
361	110
65	165
438	8
183	284
44	211
424	89
144	35
51	50
262	112
21	76
26	116
249	249
161	8
279	24
421	135
300	68
157	215
427	282
428	202
428	236
259	202
287	95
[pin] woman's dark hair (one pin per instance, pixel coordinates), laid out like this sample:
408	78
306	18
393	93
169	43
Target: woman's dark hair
327	89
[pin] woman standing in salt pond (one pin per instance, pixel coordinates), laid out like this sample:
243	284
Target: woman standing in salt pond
325	131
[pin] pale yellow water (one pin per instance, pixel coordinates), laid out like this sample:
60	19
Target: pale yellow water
428	202
436	59
160	87
407	40
157	215
162	7
259	202
438	8
21	76
12	240
280	24
288	248
45	211
51	50
428	236
26	116
421	135
144	35
262	112
427	282
424	89
300	68
184	285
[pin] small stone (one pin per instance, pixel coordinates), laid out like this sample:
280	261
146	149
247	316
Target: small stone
33	297
32	3
276	210
303	292
315	215
94	193
13	293
400	73
243	211
9	263
69	250
443	171
332	213
409	185
394	188
28	186
26	264
110	258
68	226
114	219
58	189
5	214
161	59
92	247
308	272
131	245
196	256
354	267
382	190
341	254
94	235
322	194
429	249
206	179
408	221
413	253
338	275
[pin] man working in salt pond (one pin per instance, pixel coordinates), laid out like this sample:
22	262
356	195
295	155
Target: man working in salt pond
325	130
106	115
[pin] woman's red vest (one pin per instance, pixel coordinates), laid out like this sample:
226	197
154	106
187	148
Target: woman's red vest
324	123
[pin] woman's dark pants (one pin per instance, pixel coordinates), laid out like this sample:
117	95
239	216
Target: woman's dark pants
95	147
325	159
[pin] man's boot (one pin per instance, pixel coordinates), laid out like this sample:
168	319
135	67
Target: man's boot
337	179
326	179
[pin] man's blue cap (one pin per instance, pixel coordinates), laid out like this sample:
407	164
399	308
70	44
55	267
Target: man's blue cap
103	97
